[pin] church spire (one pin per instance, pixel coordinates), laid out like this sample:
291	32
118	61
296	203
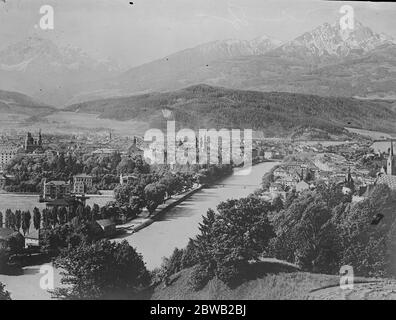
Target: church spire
391	167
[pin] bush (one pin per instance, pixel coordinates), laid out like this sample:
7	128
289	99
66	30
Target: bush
4	294
103	270
200	276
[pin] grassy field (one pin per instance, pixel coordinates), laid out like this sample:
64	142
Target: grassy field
274	282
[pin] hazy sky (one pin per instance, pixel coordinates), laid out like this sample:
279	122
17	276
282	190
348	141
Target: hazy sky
150	29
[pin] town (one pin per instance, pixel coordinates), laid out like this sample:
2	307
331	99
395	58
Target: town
65	171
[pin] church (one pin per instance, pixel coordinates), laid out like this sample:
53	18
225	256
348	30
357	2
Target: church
31	144
389	178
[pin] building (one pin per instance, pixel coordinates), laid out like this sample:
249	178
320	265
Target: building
4	179
32	144
32	239
108	227
391	163
11	240
387	179
82	183
276	187
104	151
280	172
6	155
302	186
56	190
268	154
127	179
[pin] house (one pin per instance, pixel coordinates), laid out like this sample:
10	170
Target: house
60	203
11	240
301	186
389	180
56	190
4	180
82	183
127	179
276	187
290	181
108	227
280	172
268	154
32	239
106	151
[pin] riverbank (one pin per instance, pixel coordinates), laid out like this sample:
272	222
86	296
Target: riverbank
178	224
145	220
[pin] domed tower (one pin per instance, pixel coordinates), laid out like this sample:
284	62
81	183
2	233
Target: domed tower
391	165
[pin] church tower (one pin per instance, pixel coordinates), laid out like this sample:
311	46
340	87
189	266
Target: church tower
391	165
40	139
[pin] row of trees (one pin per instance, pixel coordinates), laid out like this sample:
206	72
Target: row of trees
17	220
150	190
50	218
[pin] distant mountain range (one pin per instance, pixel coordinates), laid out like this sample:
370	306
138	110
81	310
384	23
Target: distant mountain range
326	61
51	73
274	113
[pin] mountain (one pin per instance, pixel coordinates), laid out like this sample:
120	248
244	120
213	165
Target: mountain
17	103
325	61
274	113
177	70
49	72
329	43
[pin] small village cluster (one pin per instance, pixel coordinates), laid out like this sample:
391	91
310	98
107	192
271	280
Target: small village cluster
300	175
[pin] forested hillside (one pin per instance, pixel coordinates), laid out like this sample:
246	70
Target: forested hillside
275	113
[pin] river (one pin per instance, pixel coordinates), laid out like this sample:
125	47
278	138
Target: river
181	223
158	239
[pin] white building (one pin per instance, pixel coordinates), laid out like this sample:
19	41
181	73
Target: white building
6	154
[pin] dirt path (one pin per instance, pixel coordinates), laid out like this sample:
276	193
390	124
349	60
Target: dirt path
381	290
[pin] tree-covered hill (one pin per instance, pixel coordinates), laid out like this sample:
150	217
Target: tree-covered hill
275	113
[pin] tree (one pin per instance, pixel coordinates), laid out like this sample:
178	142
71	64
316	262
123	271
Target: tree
46	218
102	270
95	212
277	204
36	218
8	218
26	221
62	215
4	294
230	239
18	219
10	221
1	219
53	216
154	195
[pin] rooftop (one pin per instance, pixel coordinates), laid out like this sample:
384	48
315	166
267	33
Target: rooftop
388	180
